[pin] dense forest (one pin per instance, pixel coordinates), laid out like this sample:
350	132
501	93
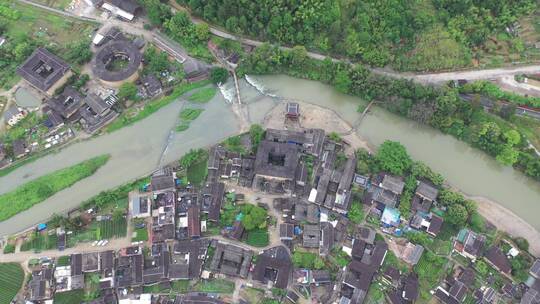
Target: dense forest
440	108
406	34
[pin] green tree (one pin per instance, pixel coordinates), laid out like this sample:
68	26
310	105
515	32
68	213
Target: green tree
393	157
256	133
508	155
254	217
318	263
342	81
79	52
127	91
219	75
202	31
155	61
457	215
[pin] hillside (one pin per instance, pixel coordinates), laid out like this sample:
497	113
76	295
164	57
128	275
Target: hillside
417	35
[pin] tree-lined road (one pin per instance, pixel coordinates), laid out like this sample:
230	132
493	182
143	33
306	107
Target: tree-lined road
430	78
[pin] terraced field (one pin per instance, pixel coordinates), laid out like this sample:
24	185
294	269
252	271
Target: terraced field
11	279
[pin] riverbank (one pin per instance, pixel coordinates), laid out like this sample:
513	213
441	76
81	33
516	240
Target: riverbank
317	117
507	221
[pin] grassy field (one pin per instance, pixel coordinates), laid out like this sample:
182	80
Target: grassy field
258	238
38	190
69	297
430	270
141	234
190	114
203	95
114	228
196	173
131	116
60	4
215	286
39	242
11	280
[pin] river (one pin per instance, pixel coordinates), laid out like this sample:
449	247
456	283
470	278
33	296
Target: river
137	150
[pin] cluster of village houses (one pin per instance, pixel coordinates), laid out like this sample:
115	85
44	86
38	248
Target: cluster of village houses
49	77
314	196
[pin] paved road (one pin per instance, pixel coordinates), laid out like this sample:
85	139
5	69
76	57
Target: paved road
431	78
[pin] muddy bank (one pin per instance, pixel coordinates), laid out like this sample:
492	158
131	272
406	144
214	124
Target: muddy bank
506	220
314	116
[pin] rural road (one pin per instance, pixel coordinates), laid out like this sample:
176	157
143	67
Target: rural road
431	78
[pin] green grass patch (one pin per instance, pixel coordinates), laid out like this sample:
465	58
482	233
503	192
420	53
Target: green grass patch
9	248
60	4
63	261
203	95
182	127
430	270
38	190
196	173
181	286
141	235
190	114
215	286
131	116
40	241
11	281
258	238
115	228
69	297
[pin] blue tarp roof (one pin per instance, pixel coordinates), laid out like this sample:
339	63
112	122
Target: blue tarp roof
390	216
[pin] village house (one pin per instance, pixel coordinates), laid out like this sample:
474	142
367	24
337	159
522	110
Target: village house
41	285
152	86
19	148
45	71
187	259
385	191
455	287
360	272
311	236
286	231
231	260
498	260
428	222
163	181
532	295
13	115
469	244
327	239
140	205
125	9
275	167
273	266
424	197
412	253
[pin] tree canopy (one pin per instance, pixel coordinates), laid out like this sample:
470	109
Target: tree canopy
393	157
254	217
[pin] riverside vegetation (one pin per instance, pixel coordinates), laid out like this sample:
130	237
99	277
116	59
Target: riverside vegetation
38	190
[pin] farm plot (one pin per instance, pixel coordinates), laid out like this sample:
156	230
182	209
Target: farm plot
11	279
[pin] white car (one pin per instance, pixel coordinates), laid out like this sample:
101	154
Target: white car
105	242
94	243
99	243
